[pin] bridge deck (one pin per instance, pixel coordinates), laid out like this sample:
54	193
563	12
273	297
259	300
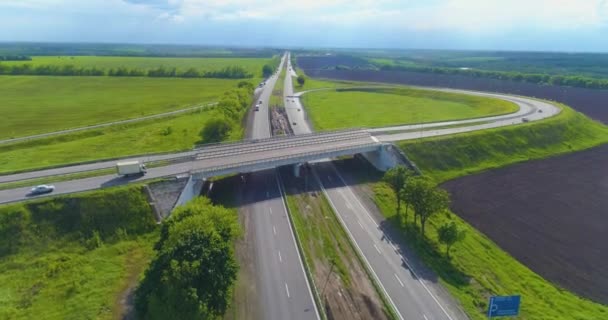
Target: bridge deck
258	155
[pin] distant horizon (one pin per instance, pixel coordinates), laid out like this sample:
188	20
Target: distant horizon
226	46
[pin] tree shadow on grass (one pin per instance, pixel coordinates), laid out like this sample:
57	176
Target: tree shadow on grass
412	245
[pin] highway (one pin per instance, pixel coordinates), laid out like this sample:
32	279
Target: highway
412	296
281	282
282	286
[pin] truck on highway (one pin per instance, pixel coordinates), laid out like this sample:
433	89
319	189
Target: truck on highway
128	168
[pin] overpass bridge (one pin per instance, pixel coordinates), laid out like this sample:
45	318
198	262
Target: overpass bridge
256	155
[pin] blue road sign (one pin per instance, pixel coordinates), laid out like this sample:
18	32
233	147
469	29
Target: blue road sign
503	306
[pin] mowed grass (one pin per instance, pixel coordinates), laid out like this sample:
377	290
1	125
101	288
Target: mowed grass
37	104
252	65
176	133
379	107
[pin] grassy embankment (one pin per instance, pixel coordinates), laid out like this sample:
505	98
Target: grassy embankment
342	108
74	257
479	268
252	65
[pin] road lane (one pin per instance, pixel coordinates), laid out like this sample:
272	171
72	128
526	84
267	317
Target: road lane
282	283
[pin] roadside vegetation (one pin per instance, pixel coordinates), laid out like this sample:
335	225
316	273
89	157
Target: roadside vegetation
450	157
345	289
176	133
276	99
193	273
342	108
74	257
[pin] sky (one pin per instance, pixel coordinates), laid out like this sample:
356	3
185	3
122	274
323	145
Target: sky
538	25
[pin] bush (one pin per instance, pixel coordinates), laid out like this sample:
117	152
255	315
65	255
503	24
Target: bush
216	130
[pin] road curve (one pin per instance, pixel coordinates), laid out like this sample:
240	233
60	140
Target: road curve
410	287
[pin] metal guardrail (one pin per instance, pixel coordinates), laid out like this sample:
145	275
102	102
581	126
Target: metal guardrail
286	144
210	146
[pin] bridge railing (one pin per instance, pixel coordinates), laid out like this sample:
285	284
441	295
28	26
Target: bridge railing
276	138
268	147
289	159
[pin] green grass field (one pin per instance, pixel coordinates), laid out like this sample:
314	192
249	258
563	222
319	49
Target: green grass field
52	269
347	108
35	104
115	141
252	65
490	269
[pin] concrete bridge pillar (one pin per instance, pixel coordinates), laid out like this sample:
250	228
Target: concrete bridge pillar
296	169
191	190
384	158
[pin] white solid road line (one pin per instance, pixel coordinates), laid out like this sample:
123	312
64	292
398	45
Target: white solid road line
287	290
369	267
376	247
396	276
389	239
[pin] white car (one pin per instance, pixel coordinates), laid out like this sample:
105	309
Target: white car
43	188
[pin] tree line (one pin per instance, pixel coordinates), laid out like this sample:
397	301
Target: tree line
421	195
231	108
536	78
15	58
230	72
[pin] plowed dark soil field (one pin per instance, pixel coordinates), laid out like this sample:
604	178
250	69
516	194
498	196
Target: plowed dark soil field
552	215
593	103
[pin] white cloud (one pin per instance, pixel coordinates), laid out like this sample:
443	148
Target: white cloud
463	16
469	16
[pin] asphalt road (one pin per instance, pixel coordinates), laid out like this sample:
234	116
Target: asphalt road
413	297
282	283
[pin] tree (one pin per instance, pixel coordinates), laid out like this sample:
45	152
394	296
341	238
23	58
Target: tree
216	130
194	271
396	178
449	235
427	199
267	71
301	80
